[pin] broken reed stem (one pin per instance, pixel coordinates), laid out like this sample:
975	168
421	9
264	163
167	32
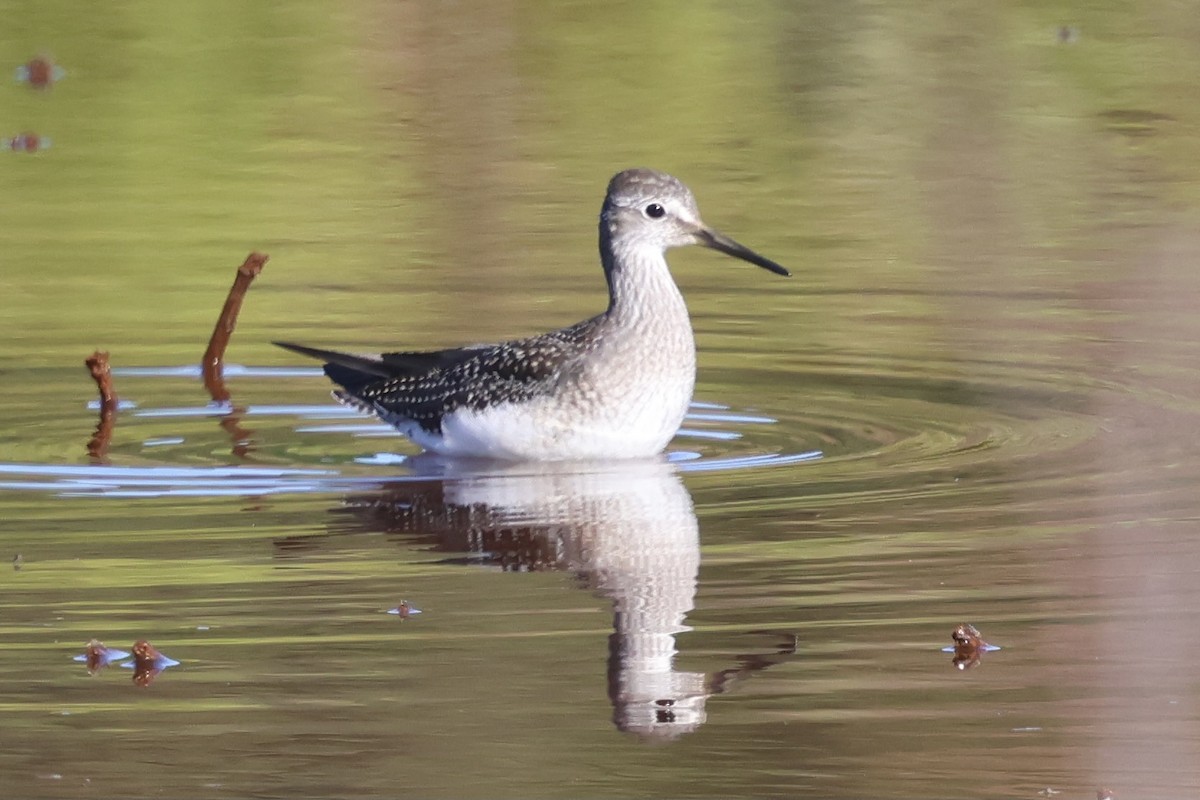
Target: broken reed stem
212	364
98	366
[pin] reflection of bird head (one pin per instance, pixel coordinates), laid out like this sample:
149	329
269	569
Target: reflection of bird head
656	706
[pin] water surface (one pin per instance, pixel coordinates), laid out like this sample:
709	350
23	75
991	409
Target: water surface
991	340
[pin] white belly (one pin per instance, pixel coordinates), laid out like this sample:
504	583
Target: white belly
637	425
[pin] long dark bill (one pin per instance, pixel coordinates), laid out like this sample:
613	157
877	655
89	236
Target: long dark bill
719	241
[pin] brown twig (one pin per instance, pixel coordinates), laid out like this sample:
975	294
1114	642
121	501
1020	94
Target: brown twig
97	364
214	357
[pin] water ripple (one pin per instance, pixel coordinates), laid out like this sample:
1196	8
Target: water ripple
909	417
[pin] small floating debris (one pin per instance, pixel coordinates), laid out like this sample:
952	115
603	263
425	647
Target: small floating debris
968	647
97	656
147	663
1067	34
404	610
26	143
1105	794
40	73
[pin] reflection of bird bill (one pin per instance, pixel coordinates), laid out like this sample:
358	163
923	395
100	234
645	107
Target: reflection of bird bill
626	528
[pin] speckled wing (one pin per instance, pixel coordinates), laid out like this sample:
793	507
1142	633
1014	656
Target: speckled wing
471	377
426	386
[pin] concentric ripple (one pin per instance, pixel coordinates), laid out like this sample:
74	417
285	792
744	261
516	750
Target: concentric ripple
160	449
920	419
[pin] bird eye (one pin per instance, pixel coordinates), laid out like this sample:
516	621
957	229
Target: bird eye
655	211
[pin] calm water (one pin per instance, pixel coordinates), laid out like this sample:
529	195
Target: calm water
991	338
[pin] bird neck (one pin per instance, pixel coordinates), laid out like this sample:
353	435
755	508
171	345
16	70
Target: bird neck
640	287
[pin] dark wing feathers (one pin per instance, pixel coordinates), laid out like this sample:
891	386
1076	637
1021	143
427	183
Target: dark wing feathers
412	364
357	371
367	365
424	387
383	365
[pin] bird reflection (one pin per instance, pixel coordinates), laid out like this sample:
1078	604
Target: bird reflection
629	532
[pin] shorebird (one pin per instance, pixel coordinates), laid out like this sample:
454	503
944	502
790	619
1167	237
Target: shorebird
613	386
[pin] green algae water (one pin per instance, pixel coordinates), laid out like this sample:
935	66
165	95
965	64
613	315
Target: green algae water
977	402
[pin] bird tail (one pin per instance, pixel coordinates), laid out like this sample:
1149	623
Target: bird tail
346	369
